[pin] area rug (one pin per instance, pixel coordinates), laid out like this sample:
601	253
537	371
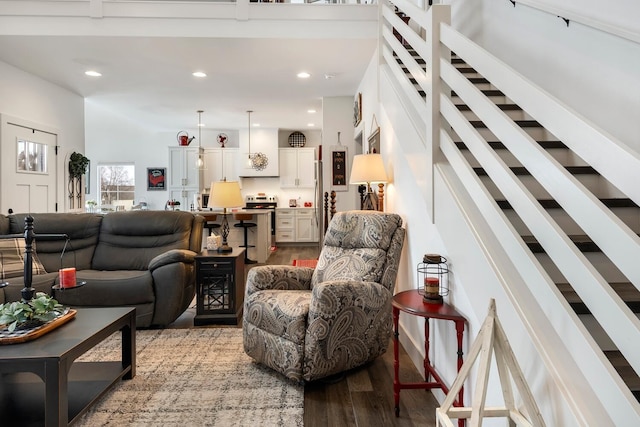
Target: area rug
194	377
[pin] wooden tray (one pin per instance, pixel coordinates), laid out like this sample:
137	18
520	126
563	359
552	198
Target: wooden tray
19	336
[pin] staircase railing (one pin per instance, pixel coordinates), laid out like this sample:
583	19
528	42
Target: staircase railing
549	318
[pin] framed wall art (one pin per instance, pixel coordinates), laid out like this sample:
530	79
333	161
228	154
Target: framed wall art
374	137
156	178
339	160
357	110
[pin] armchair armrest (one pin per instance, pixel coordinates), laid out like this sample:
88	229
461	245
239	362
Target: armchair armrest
349	324
282	277
331	297
172	256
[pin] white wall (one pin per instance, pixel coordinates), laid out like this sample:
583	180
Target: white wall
338	117
115	139
594	73
40	103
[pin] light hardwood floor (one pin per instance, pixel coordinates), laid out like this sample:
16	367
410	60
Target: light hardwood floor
362	397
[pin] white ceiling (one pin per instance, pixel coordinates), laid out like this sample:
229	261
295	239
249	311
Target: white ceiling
148	79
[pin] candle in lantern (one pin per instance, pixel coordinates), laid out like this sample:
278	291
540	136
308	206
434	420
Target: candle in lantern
67	277
431	285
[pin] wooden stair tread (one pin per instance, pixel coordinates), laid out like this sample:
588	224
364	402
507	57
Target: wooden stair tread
503	107
552	204
486	92
498	145
521	123
520	170
626	372
625	290
582	242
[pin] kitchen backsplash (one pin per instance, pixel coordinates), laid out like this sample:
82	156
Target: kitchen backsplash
271	186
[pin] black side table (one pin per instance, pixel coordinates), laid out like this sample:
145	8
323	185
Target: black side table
219	287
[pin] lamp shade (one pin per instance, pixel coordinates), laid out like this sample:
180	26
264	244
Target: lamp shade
225	194
367	168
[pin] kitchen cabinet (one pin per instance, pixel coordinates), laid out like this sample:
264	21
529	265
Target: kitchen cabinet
296	225
305	225
297	167
220	163
184	177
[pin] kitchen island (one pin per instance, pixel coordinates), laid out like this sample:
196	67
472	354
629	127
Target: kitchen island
259	236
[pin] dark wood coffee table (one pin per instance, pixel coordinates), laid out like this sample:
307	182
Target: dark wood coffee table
40	384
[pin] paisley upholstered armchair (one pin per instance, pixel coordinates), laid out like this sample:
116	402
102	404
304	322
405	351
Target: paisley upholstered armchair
311	323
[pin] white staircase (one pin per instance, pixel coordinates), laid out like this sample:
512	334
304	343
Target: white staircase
545	195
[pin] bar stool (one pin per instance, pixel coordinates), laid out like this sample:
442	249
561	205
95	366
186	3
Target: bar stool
209	224
245	226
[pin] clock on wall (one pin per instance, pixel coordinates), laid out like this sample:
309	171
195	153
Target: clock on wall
357	110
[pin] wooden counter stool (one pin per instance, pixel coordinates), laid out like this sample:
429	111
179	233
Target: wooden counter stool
245	226
209	224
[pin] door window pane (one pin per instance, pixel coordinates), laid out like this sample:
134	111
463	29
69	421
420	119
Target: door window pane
32	157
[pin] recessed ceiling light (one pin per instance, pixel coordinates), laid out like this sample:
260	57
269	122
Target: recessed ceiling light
310	125
303	75
311	111
256	125
93	73
199	74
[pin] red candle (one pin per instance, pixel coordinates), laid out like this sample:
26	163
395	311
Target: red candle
431	285
67	277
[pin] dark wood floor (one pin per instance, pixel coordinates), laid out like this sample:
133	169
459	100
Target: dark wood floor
363	397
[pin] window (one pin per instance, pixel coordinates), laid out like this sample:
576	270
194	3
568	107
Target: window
32	157
116	185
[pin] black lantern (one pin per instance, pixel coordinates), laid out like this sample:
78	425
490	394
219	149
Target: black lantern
433	276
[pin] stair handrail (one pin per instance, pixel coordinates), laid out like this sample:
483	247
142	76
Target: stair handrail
570	16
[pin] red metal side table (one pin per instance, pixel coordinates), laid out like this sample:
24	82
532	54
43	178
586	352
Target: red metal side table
411	302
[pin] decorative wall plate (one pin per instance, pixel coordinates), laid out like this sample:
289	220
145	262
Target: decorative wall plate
222	139
259	161
297	139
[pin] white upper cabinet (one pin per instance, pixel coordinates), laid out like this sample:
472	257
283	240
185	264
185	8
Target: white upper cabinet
184	176
263	141
216	169
297	167
182	167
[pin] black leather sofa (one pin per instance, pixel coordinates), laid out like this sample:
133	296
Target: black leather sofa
141	259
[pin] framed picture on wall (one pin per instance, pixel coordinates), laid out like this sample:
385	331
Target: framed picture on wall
374	141
357	110
156	178
339	176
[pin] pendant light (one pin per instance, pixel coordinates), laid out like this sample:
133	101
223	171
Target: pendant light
259	161
200	160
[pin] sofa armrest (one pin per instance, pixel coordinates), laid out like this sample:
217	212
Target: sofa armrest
172	256
283	277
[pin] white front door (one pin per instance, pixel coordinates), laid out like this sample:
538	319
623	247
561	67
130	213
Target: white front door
29	174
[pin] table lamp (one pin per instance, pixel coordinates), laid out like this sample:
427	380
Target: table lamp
368	168
225	194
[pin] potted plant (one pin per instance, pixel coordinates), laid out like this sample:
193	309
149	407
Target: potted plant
21	315
77	165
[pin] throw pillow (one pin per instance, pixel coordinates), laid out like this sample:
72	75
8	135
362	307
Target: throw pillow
12	259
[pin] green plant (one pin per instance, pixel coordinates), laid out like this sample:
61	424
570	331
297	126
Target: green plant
77	165
40	309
